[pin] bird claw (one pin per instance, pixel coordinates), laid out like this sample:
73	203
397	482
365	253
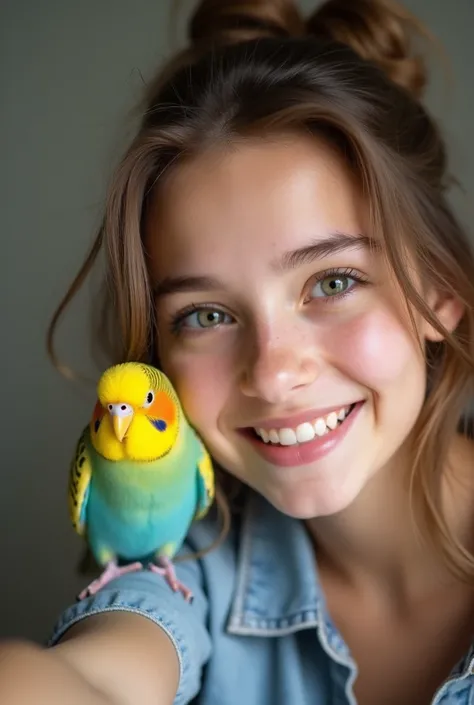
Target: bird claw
168	572
111	572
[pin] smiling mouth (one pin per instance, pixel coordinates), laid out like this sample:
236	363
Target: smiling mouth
304	432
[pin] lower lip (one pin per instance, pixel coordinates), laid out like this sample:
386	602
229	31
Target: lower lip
305	453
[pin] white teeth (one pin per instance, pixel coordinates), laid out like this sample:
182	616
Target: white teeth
287	437
320	427
304	433
274	437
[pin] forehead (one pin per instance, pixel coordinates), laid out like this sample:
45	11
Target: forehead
261	197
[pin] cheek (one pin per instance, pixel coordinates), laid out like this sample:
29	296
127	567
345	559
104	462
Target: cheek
203	385
377	349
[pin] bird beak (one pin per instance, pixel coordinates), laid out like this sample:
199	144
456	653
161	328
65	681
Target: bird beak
121	425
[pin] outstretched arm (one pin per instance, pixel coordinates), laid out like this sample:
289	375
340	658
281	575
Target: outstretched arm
108	659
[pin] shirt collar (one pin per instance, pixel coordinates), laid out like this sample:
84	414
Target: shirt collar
278	589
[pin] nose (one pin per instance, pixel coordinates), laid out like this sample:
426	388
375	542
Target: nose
277	372
120	410
122	415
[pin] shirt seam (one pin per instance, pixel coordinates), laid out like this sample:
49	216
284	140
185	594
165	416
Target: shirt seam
244	565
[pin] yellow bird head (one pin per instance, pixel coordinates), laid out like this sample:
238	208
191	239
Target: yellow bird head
137	415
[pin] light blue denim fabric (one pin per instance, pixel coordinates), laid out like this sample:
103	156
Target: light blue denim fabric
258	631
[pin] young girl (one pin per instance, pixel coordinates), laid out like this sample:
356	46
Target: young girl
279	241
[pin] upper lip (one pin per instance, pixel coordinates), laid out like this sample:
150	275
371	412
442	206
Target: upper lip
297	419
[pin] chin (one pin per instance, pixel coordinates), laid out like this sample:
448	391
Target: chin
310	500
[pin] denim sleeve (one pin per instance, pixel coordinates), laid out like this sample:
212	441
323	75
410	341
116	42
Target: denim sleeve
149	595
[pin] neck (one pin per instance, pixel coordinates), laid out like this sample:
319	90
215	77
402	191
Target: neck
374	544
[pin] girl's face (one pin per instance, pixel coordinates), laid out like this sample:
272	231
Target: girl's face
279	324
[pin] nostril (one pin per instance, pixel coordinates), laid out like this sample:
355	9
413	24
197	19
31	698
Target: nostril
123	407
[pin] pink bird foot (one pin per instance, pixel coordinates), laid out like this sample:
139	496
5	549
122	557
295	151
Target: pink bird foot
111	572
168	572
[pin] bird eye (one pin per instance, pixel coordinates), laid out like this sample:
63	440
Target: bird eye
149	399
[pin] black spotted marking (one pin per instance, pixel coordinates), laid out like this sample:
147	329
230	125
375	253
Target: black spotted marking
78	484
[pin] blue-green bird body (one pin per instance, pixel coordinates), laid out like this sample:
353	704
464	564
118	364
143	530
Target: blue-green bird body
136	512
140	474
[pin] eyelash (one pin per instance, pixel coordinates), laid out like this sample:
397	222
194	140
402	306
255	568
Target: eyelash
360	279
178	320
348	272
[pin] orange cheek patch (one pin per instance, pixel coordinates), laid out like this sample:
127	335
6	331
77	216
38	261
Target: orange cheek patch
162	408
99	412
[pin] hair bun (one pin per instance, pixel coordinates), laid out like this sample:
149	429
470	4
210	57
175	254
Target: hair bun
380	31
217	22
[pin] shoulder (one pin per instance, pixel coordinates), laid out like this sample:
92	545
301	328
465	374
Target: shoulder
214	555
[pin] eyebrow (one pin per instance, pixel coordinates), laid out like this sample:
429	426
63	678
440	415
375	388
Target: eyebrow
175	285
333	244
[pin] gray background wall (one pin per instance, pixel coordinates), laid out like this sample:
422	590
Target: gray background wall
70	74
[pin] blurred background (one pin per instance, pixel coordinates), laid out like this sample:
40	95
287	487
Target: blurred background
71	73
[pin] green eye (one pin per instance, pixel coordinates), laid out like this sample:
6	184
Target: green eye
331	286
206	318
196	319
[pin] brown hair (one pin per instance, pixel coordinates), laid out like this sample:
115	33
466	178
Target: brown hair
349	73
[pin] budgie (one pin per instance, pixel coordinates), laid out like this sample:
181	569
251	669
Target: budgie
140	476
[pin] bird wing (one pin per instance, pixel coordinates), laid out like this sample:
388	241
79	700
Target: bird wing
206	489
79	484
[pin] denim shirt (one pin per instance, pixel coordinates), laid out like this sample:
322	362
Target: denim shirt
258	630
